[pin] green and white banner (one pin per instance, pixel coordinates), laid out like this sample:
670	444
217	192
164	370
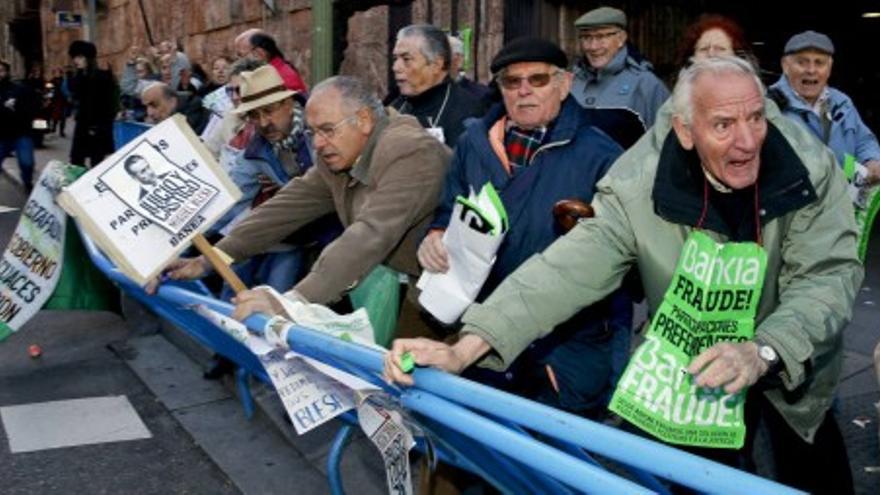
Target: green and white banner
31	265
713	298
865	198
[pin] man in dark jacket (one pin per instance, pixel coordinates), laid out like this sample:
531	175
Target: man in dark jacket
18	105
162	102
96	96
537	148
422	59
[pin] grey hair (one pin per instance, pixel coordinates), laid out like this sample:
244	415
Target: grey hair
434	43
456	45
355	93
682	94
245	65
167	91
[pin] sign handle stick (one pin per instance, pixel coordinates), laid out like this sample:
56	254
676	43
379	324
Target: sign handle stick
217	262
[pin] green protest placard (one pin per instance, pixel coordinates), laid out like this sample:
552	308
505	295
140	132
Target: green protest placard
865	198
32	262
713	298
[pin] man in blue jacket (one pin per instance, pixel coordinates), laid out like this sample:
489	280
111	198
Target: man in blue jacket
537	148
612	73
804	96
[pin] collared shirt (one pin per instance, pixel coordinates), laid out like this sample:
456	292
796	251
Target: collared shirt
821	104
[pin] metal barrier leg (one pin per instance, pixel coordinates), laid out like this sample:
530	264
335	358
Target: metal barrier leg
334	474
242	381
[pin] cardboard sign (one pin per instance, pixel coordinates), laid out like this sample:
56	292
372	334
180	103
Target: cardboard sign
145	203
386	430
310	397
31	265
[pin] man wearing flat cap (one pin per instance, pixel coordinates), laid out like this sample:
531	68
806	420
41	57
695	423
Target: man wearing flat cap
612	73
96	95
537	148
803	95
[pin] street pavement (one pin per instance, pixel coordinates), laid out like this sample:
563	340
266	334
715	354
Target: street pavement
200	441
199	438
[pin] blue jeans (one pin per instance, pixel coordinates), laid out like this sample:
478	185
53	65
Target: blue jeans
23	147
277	270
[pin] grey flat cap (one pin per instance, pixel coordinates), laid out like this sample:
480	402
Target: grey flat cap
603	16
809	39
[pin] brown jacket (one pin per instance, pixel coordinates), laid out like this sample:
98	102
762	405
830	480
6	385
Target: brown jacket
384	202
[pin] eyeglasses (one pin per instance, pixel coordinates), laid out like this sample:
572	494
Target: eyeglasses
231	91
257	114
538	80
602	37
328	131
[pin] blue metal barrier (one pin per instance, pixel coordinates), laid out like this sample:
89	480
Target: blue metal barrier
126	130
474	427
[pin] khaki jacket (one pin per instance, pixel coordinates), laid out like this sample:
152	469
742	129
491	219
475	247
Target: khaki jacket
813	271
385	203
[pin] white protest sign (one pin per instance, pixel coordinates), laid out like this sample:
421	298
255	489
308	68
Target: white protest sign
310	397
476	229
146	202
31	265
386	430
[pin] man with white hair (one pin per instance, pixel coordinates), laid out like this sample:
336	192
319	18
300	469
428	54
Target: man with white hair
732	176
458	74
380	174
422	61
803	94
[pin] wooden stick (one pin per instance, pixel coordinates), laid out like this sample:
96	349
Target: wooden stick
218	263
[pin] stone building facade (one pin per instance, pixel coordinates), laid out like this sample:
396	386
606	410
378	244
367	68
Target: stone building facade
364	30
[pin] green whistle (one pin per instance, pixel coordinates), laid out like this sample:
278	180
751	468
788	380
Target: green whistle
407	363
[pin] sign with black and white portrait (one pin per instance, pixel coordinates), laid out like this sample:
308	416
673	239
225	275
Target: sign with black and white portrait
157	188
143	204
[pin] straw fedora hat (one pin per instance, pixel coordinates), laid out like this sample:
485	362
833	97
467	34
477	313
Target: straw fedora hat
260	88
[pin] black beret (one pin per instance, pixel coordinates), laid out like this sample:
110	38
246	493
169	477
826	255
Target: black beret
84	48
528	49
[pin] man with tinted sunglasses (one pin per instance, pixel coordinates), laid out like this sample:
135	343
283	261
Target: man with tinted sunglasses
612	73
537	148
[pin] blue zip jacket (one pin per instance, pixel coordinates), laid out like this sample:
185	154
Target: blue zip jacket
574	156
848	134
628	81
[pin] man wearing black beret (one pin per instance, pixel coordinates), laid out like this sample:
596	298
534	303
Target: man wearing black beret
537	148
96	97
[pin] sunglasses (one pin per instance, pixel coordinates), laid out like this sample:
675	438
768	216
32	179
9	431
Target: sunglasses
232	91
538	80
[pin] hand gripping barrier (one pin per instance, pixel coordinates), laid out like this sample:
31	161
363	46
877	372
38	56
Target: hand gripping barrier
516	444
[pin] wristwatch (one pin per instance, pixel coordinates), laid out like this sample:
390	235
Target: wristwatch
767	354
